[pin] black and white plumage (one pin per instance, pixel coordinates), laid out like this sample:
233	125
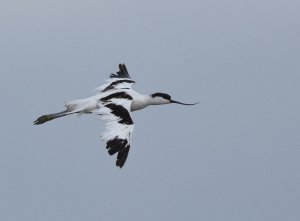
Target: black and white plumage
114	102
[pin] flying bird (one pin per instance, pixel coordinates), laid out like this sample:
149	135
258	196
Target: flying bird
114	102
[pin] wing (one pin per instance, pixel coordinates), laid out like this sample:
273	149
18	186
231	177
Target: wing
117	81
115	109
122	73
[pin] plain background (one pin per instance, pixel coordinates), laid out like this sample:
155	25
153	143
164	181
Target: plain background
235	156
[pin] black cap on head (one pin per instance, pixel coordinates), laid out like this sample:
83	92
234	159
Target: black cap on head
168	97
163	95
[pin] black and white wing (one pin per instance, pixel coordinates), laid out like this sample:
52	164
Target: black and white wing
117	81
115	109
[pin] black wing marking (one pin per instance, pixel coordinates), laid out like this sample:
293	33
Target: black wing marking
122	73
115	84
120	146
117	95
120	112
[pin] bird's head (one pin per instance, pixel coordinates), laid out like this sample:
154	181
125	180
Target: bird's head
163	98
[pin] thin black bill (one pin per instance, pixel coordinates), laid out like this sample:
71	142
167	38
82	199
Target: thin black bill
177	102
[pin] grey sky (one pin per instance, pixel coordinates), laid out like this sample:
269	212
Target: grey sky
233	157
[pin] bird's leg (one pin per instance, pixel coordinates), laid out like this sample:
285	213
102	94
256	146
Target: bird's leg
48	117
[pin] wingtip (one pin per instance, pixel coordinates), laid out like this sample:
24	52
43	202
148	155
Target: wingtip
122	156
119	166
122	73
123	68
120	163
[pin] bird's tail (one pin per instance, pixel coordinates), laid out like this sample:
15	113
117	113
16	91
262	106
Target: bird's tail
48	117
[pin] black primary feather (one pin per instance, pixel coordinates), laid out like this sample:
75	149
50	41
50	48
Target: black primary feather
120	146
122	73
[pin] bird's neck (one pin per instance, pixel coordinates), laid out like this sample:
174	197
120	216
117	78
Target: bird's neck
140	101
143	101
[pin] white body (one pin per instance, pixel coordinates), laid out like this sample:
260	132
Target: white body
90	104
